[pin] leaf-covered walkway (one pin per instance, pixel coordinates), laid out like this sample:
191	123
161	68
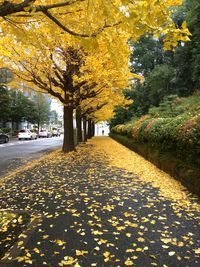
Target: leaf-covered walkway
103	206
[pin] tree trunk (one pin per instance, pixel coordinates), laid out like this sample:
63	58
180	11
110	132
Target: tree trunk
38	125
68	142
12	126
79	126
85	129
89	129
93	129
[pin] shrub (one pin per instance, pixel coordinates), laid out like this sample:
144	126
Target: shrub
136	126
179	132
6	130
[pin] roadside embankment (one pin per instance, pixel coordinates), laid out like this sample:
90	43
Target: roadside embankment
188	174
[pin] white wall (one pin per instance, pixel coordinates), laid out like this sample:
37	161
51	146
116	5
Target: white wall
101	127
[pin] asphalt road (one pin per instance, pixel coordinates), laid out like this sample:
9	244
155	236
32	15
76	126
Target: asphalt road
88	212
16	153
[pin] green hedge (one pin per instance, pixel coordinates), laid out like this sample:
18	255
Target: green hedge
181	133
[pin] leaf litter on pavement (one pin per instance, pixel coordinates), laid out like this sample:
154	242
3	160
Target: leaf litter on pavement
98	212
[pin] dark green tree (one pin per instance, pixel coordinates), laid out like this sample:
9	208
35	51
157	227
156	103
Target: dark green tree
54	117
21	108
42	109
147	53
193	19
159	83
5	105
187	55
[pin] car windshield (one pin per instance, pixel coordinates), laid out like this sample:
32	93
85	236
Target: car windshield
22	131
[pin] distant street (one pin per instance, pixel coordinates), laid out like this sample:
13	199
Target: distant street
16	153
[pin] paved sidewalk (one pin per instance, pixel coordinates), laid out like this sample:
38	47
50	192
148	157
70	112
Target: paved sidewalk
96	214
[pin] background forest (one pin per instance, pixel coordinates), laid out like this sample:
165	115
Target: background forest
17	107
167	73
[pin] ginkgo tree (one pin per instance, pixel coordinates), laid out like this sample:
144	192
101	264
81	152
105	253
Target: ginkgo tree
84	51
70	73
88	19
105	78
101	108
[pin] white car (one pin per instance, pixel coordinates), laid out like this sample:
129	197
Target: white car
44	133
55	132
26	134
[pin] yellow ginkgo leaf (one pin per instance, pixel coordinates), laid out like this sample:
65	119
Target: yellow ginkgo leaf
126	214
184	25
29	261
20	259
106	253
20	243
81	252
197	251
67	261
141	239
128	262
36	250
130	250
60	242
97	232
102	241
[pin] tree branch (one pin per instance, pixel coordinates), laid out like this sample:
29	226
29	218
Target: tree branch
66	29
8	8
90	110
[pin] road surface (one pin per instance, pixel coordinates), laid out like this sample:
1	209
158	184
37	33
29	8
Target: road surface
16	153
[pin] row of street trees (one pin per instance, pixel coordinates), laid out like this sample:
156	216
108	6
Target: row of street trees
16	107
82	57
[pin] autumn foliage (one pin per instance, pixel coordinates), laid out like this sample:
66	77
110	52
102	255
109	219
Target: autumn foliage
78	52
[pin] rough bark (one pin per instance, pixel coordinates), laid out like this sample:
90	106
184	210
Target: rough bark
85	129
79	126
12	126
68	142
89	134
93	129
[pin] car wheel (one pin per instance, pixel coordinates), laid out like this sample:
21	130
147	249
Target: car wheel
6	140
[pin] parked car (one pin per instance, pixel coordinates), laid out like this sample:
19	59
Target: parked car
27	134
44	133
4	138
55	132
